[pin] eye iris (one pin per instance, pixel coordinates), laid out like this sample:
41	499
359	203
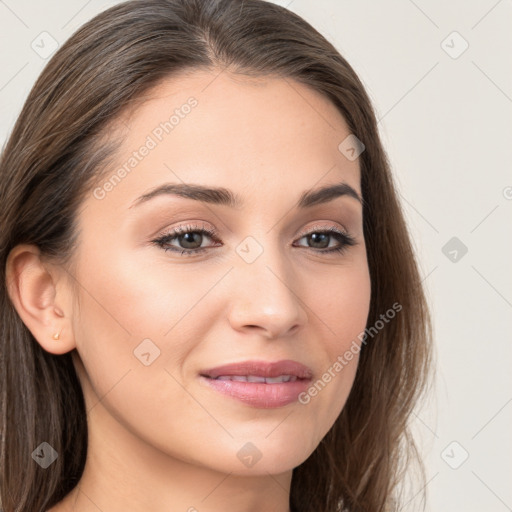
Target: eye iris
191	238
320	238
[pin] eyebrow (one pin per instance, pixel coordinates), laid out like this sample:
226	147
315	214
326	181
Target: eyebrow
224	196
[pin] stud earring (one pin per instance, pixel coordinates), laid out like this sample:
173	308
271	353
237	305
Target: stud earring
56	336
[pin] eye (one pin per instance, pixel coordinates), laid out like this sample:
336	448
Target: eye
190	239
189	236
321	238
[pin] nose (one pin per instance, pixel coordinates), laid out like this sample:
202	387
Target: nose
263	299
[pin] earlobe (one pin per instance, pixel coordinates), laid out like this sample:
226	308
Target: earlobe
34	293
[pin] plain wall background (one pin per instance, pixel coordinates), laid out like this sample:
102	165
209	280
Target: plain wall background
446	122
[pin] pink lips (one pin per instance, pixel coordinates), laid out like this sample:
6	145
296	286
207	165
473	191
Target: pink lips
286	380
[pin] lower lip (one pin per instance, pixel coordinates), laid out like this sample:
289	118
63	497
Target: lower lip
261	395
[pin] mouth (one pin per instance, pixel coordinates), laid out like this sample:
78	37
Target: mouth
257	378
258	383
261	370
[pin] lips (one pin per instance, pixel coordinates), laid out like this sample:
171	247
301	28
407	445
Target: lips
262	369
258	383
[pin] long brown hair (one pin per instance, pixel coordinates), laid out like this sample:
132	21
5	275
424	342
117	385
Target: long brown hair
56	151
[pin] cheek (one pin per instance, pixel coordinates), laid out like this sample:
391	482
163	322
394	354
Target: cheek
132	313
133	300
343	309
344	305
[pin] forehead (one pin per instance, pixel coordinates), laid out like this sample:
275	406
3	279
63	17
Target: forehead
258	135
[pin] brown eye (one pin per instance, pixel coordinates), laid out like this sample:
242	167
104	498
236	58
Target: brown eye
189	238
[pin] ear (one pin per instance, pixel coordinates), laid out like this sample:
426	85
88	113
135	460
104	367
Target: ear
43	306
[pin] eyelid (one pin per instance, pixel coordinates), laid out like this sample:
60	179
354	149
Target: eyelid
189	228
320	227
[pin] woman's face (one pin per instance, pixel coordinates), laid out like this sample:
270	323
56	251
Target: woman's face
264	287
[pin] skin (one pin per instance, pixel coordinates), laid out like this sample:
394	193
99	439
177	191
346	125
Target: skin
158	439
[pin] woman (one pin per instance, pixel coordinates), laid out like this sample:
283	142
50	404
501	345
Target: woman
210	300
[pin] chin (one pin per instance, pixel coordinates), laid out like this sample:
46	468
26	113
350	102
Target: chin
263	456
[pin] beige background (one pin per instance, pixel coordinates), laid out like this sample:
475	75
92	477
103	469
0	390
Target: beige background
446	121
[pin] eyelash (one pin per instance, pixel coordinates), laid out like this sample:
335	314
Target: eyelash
345	239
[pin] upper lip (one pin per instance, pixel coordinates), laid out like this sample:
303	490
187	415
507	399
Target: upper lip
261	369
